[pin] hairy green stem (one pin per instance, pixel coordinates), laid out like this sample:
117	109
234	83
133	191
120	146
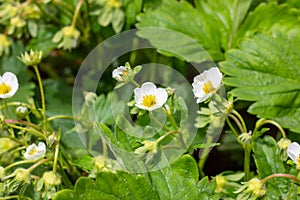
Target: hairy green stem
6	108
237	121
202	160
55	157
236	134
36	69
158	122
241	120
15	197
247	156
76	13
268	121
60	117
280	175
165	135
170	117
13	104
13	121
38	164
135	83
35	132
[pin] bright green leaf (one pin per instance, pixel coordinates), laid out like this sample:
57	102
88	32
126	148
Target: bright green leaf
266	70
110	186
177	181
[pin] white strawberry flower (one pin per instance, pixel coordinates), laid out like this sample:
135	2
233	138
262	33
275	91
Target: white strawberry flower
206	83
119	73
8	85
149	97
34	152
293	151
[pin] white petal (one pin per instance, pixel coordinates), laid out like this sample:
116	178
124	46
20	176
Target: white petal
215	76
138	95
42	148
28	150
11	80
161	96
118	72
198	89
203	98
148	88
293	151
199	78
40	151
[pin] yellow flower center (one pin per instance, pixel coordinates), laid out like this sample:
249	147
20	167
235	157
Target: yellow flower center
149	100
208	87
113	3
32	152
298	161
4	89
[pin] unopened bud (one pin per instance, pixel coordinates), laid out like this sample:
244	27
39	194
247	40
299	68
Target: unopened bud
51	178
32	58
21	112
22	175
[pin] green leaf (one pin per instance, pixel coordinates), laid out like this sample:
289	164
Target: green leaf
177	181
268	162
11	62
32	28
132	8
213	24
206	189
108	107
105	16
118	20
58	97
266	70
85	163
125	134
43	41
269	18
108	185
64	194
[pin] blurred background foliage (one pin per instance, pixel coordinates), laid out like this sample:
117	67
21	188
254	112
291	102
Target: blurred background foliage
255	43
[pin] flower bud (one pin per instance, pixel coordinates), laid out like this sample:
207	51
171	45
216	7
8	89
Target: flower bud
51	179
148	146
283	143
51	139
22	175
245	137
255	186
122	74
221	182
32	58
170	91
21	112
89	97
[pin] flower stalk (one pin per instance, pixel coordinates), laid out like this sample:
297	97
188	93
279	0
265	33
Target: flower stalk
43	111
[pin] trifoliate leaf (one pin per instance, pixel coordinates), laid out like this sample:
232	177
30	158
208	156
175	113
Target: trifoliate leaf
266	70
